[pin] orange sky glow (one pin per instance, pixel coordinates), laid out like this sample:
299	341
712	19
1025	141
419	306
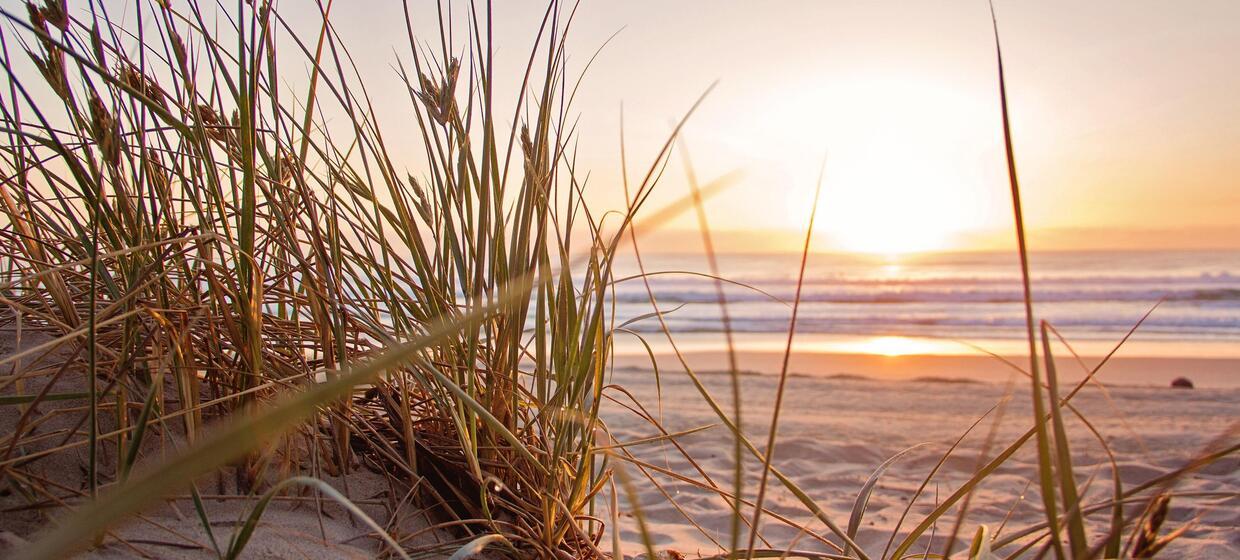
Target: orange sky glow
1124	118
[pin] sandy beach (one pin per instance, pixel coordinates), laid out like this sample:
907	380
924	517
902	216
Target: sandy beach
843	416
835	431
836	428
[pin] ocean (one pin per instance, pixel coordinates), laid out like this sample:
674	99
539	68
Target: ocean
943	303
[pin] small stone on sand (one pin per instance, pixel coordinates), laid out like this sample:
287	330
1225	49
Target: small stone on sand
1182	383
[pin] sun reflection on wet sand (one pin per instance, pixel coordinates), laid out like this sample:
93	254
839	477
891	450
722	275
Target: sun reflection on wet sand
893	346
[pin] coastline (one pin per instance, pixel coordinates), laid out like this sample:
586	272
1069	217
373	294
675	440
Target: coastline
1120	370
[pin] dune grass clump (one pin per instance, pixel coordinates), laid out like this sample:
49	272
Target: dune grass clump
214	261
220	272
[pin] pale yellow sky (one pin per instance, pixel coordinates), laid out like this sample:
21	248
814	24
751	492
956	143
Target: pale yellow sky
1125	118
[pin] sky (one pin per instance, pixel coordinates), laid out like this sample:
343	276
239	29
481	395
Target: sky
1124	114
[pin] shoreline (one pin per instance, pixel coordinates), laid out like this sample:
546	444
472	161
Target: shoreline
1118	371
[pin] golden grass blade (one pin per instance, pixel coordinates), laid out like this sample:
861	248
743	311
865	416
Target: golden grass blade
755	525
653	439
1045	473
712	259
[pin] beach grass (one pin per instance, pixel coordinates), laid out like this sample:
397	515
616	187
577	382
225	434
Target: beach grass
232	284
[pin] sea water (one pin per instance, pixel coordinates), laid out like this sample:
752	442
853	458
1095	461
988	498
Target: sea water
945	303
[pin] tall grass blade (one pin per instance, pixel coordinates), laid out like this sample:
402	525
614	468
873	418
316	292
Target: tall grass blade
755	525
1046	473
1067	482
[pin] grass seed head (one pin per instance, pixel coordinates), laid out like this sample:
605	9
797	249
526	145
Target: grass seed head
1148	542
178	51
135	79
105	130
36	17
55	12
439	98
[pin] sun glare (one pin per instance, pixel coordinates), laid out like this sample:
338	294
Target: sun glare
897	201
895	346
900	175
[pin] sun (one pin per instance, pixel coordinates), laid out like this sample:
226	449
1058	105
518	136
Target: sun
904	172
869	222
898	199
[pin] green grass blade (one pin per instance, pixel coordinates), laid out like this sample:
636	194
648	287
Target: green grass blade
242	537
201	509
1067	481
135	444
